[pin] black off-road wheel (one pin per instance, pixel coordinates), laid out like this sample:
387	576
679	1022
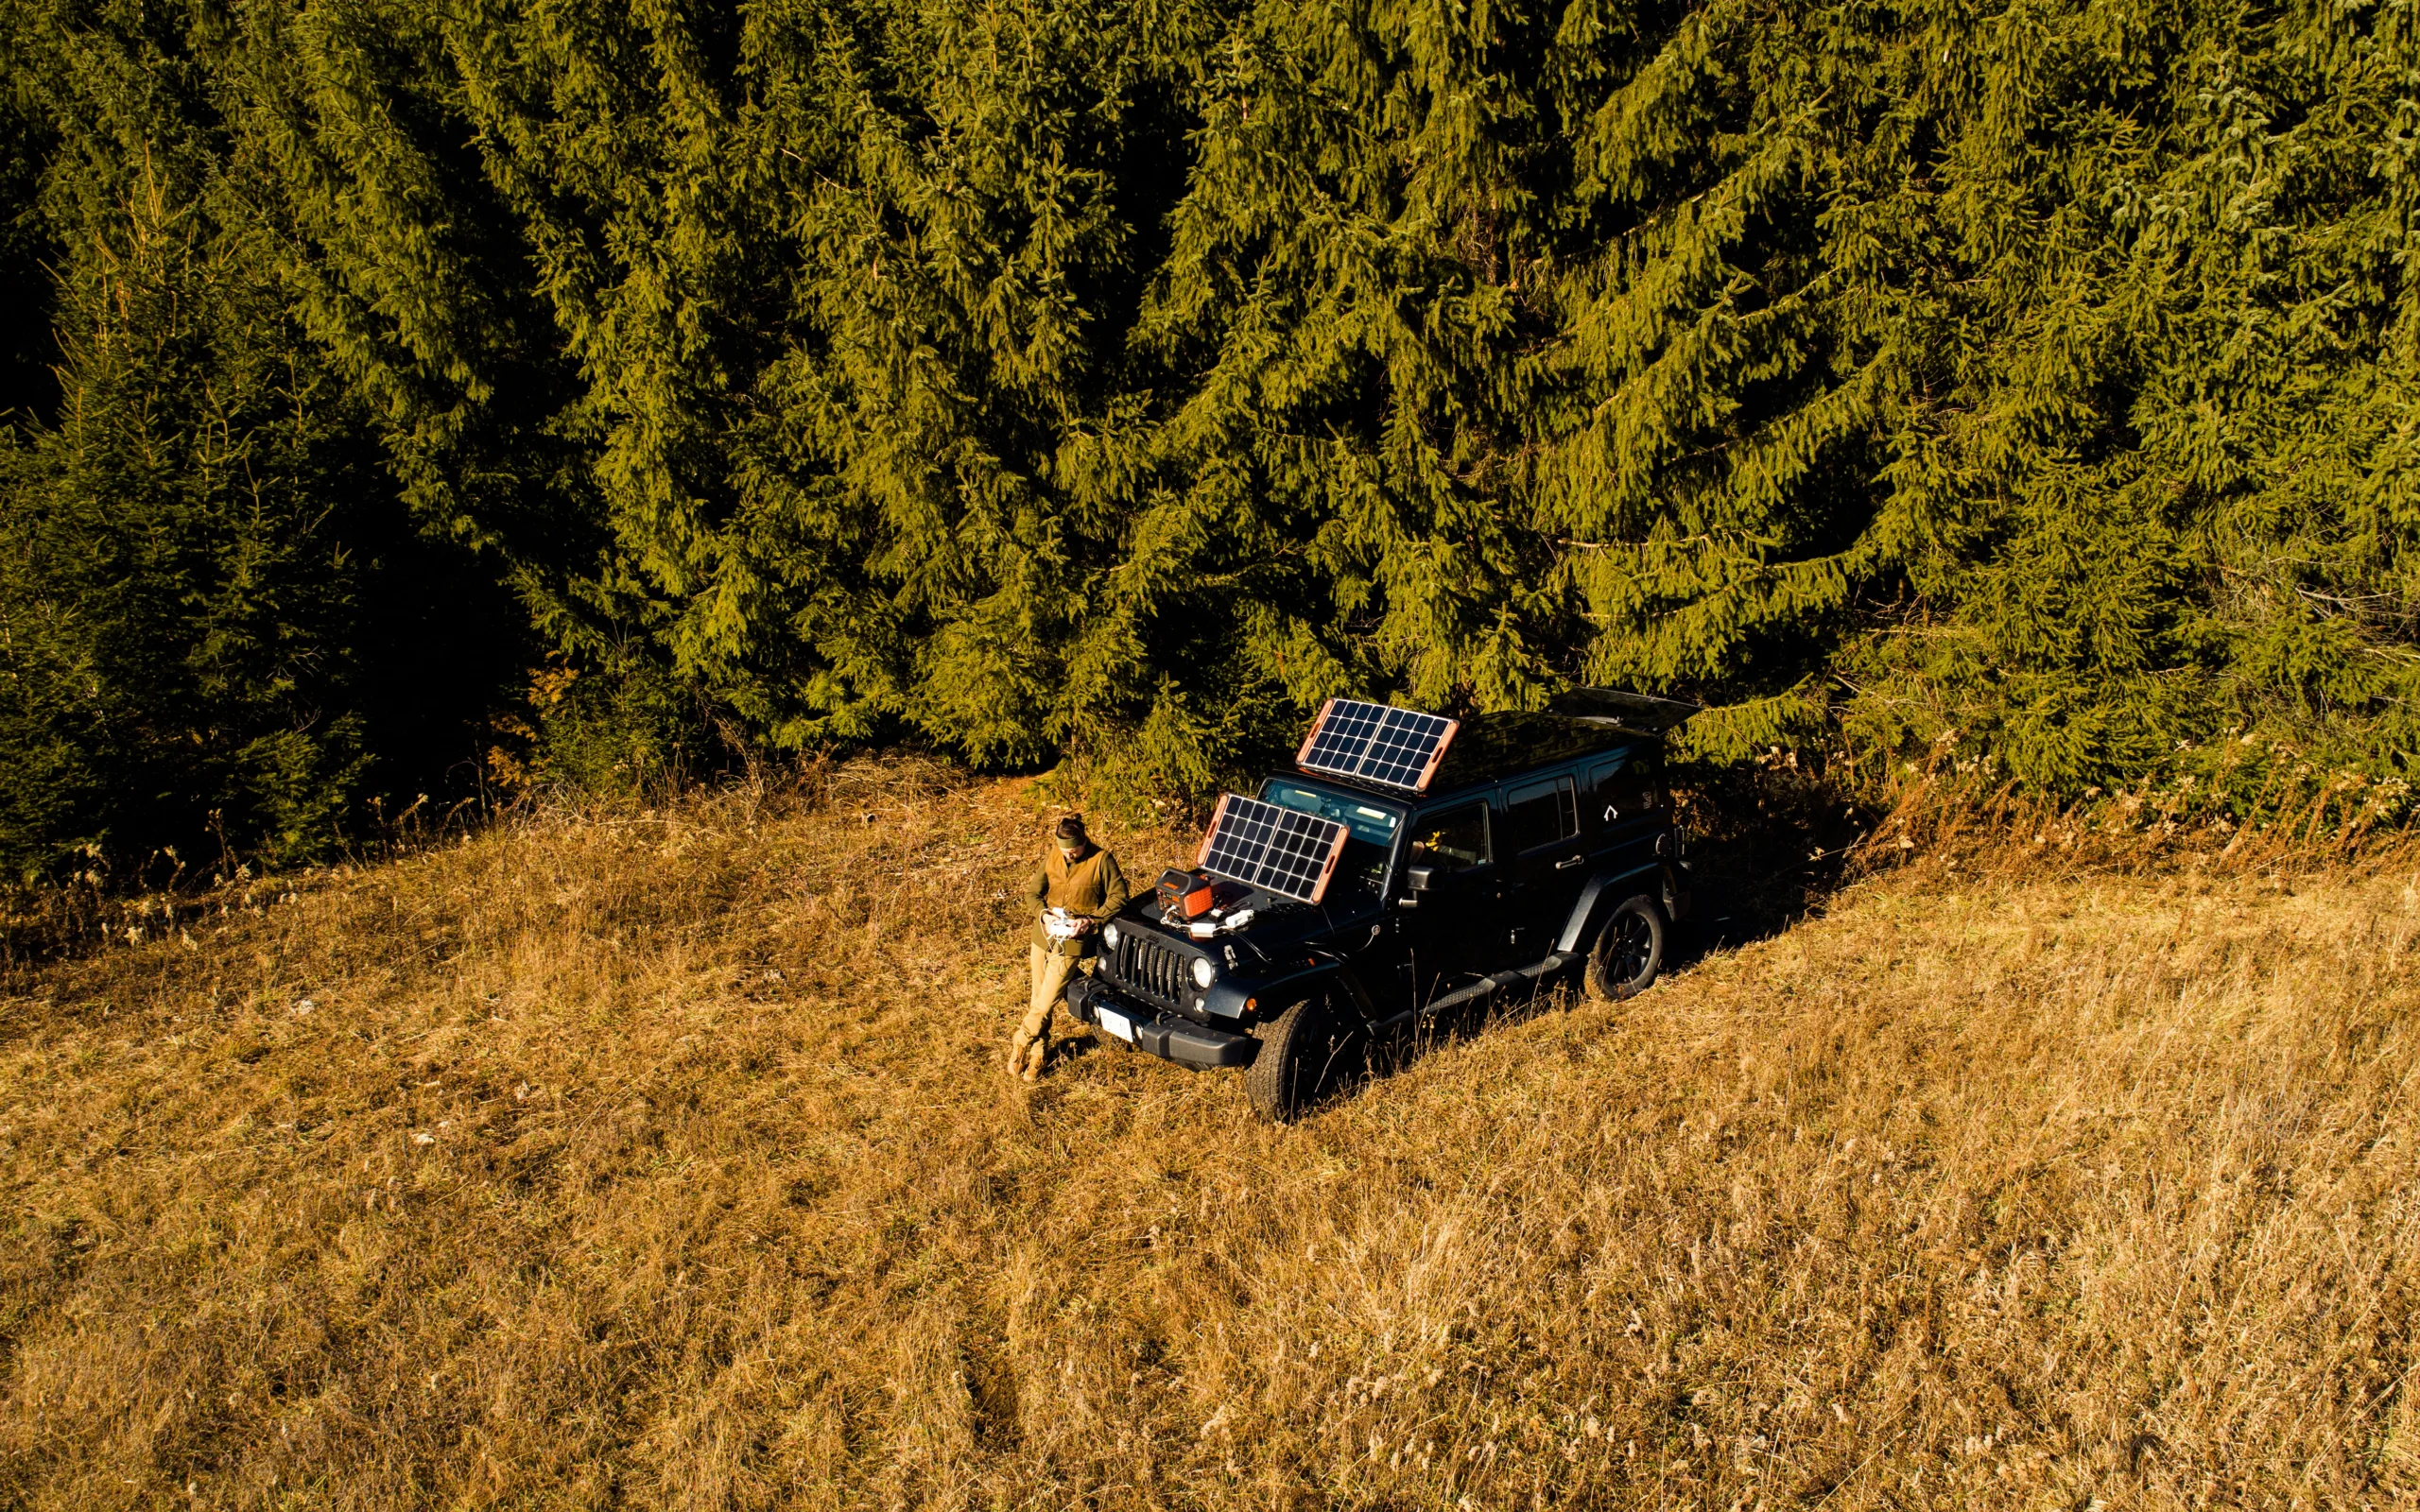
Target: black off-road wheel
1628	950
1306	1053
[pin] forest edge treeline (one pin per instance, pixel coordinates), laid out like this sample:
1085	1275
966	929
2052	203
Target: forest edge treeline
409	397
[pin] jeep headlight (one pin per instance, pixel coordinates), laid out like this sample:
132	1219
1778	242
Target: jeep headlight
1203	972
1109	935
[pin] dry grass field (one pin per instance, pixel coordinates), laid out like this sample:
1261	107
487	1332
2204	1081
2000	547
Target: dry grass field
665	1162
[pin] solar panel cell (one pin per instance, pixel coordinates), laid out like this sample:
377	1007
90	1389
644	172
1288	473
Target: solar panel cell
1276	850
1395	748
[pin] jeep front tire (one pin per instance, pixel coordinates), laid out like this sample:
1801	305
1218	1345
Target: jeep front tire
1629	951
1304	1053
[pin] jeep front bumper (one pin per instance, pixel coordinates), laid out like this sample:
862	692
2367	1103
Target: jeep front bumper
1168	1036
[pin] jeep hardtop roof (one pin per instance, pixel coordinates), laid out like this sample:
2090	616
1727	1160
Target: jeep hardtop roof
1491	747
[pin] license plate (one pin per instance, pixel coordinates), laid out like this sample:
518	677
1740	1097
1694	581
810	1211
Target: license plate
1117	1024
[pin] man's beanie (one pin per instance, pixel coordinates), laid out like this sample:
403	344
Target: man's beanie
1072	826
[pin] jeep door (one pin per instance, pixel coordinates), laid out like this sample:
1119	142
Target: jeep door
1547	865
1456	926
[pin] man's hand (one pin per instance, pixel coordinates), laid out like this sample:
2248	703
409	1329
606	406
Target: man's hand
1086	926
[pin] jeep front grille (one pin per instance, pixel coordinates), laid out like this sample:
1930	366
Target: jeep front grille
1148	966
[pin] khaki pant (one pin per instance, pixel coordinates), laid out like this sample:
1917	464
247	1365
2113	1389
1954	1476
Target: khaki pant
1051	971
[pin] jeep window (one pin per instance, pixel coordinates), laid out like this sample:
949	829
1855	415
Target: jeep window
1624	788
1538	814
1452	840
1370	831
1651	781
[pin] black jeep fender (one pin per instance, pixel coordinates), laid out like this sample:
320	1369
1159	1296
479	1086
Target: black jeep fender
1265	998
1607	890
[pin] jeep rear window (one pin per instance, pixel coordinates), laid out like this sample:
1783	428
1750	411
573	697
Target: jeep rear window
1623	788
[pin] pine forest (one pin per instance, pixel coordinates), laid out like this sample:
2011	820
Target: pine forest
411	397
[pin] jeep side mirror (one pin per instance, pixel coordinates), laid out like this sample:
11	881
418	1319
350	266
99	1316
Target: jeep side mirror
1418	878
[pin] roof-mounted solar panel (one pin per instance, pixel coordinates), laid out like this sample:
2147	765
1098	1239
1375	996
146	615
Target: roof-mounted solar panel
1374	743
1280	851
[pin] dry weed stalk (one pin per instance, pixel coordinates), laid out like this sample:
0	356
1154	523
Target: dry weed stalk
665	1163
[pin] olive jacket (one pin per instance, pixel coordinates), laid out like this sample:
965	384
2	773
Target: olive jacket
1090	885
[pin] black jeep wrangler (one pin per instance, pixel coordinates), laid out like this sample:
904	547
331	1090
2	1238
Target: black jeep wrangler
1542	843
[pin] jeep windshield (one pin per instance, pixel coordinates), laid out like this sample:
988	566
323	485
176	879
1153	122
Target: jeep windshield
1370	827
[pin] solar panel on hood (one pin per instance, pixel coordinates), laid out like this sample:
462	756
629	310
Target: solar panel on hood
1393	747
1276	850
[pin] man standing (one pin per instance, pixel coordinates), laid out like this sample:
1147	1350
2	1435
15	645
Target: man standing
1076	885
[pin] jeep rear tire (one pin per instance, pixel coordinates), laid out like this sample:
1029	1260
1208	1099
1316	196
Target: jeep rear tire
1629	951
1305	1052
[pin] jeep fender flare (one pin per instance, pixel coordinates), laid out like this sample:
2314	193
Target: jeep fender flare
1606	891
1226	998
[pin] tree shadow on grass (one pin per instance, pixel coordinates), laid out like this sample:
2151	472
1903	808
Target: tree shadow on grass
1768	851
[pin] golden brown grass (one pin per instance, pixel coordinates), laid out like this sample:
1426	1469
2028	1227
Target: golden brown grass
665	1162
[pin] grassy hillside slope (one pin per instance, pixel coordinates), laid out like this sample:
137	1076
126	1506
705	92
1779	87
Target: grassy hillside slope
666	1163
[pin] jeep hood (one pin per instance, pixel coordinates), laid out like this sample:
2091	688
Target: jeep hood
1278	932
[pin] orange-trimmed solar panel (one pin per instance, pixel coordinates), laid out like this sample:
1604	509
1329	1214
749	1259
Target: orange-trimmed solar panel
1280	851
1374	743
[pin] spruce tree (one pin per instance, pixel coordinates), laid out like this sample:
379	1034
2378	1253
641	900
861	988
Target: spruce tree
221	633
1124	379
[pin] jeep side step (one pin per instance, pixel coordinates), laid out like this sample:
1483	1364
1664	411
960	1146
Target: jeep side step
1486	986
